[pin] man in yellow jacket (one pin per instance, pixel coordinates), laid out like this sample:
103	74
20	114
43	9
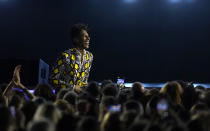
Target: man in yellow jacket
72	68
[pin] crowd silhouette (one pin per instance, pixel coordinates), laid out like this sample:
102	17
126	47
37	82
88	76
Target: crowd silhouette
177	106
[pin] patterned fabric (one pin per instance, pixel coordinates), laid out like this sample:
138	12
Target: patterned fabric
70	70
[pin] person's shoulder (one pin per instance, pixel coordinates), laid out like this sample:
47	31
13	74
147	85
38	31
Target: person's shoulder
68	52
89	53
64	54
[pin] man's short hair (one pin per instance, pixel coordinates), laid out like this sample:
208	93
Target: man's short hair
77	28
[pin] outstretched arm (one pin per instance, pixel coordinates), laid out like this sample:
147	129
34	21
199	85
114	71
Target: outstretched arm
16	82
26	91
15	79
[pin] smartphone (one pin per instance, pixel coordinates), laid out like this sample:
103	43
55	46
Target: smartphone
120	82
162	105
12	110
162	108
114	108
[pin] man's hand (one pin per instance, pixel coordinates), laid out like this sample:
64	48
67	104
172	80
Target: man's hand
16	75
77	88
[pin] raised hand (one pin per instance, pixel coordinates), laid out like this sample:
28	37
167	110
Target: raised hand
15	81
16	75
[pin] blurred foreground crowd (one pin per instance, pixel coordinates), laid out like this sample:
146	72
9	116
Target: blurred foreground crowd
177	106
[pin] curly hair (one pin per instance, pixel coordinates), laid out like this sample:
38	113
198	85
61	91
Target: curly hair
76	30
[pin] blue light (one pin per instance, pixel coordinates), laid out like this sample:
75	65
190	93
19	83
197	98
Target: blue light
175	1
190	1
130	1
160	85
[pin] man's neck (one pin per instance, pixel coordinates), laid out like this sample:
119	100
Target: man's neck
81	50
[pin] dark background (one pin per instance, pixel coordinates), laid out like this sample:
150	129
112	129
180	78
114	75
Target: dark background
144	40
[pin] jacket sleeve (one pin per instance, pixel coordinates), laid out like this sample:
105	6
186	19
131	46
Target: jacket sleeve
58	72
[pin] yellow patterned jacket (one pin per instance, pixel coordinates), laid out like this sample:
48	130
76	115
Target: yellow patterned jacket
69	70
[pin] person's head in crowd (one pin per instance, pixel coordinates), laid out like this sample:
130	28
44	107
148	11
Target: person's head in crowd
128	117
64	106
174	90
137	91
48	111
152	104
123	96
153	92
138	125
106	102
88	124
29	108
204	118
110	90
205	98
105	82
200	87
199	107
68	122
200	93
82	107
133	105
16	102
39	100
92	104
182	83
189	96
137	87
45	91
41	125
6	119
61	93
15	94
93	89
71	98
111	122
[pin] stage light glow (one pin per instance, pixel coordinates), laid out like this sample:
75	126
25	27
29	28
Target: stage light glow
160	85
175	1
130	1
190	1
157	85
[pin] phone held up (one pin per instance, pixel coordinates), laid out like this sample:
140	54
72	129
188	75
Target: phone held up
121	82
162	108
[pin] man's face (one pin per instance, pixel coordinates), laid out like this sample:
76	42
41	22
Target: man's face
83	40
